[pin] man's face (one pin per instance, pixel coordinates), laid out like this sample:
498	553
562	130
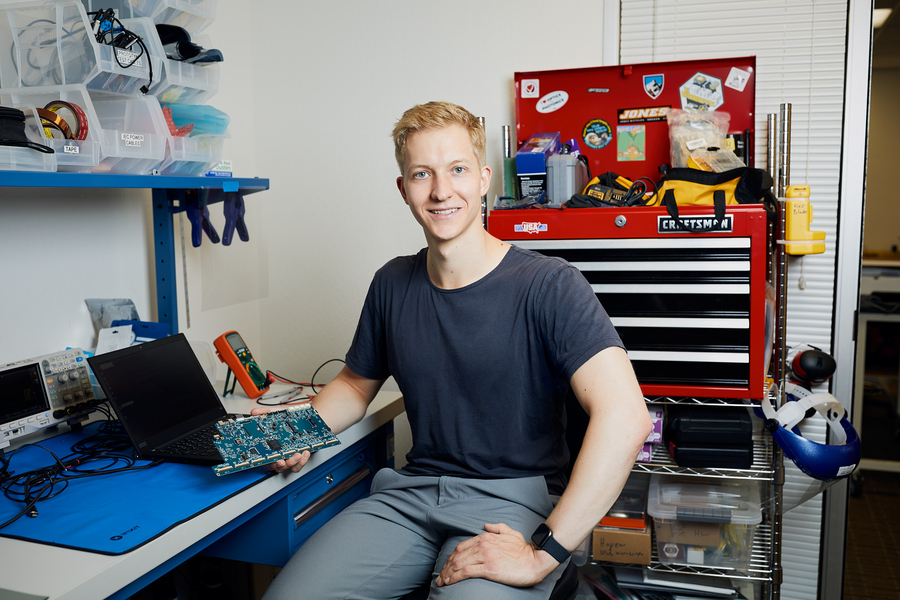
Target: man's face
442	182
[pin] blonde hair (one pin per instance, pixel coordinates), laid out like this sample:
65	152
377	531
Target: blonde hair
436	115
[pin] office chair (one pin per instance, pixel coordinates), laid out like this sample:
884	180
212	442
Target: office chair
566	587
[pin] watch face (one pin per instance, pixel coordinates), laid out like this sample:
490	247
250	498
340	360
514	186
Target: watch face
541	535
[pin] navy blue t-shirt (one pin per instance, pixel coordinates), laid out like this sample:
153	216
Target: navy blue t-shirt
483	369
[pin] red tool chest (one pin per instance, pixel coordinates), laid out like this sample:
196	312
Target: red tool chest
689	307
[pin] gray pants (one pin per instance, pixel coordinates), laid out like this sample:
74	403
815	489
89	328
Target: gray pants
399	538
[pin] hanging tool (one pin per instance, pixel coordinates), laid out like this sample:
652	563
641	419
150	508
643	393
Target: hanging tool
234	218
798	238
198	213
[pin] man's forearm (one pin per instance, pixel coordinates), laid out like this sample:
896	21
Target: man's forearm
607	455
618	426
344	401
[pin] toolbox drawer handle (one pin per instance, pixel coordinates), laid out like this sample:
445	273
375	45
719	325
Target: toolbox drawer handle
307	513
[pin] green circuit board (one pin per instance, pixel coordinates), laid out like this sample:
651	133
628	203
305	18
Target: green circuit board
262	439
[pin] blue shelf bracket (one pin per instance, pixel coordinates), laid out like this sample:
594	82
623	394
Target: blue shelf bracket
164	255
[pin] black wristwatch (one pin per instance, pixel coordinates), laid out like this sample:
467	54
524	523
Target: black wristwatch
543	539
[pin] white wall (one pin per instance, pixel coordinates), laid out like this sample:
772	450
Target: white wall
321	85
58	247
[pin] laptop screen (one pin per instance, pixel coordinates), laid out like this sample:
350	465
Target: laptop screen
158	389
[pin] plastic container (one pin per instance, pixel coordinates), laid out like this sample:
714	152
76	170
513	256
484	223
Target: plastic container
178	81
71	155
704	523
186	155
193	15
15	158
51	43
131	138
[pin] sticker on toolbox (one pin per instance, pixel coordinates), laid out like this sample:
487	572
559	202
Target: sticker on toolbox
531	88
654	84
597	134
737	79
530	227
649	114
630	140
552	101
701	91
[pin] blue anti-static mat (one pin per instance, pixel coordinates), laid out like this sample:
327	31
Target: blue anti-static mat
116	513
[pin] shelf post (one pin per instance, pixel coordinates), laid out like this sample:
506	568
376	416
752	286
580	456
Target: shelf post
164	257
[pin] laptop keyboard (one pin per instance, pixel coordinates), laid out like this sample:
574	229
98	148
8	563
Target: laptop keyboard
198	443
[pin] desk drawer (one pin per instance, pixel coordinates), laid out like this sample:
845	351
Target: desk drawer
329	492
272	536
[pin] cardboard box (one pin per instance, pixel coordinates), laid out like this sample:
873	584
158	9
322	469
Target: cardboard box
646	453
625	546
657	417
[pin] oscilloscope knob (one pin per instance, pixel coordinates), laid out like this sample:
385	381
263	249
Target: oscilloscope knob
62	378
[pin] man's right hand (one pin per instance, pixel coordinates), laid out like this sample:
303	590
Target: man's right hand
293	463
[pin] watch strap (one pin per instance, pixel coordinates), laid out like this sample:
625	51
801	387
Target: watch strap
552	547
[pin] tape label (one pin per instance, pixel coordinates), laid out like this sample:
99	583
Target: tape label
128	58
134	140
71	149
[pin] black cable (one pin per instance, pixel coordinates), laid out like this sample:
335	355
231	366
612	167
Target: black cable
291	398
109	445
117	36
635	196
313	380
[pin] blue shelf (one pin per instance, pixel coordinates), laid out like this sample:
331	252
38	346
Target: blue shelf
169	197
246	185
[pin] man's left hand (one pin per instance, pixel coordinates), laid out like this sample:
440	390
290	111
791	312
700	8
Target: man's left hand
500	555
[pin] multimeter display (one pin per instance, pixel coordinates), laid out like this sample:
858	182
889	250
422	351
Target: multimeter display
236	343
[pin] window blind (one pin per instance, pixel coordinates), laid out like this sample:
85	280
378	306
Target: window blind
800	48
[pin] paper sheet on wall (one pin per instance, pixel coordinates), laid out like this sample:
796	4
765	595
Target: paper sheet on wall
239	272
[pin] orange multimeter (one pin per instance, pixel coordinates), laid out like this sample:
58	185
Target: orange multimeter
231	350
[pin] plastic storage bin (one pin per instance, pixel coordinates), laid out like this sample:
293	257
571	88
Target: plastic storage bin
193	15
51	43
186	155
131	140
708	523
15	158
178	81
71	155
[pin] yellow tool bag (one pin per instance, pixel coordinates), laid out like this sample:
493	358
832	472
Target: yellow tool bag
691	187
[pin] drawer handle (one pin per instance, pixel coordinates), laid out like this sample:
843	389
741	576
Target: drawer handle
307	513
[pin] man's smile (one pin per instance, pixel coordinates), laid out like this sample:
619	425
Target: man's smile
446	211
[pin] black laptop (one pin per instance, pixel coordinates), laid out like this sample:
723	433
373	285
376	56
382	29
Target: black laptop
164	400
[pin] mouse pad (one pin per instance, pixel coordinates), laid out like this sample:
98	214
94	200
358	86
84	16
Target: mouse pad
117	512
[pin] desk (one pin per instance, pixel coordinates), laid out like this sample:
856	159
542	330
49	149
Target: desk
62	574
